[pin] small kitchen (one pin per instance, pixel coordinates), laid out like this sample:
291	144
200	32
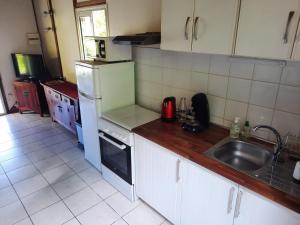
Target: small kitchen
188	111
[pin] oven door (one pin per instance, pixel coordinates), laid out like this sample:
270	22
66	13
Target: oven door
116	156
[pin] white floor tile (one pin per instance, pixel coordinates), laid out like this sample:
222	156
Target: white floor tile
71	155
167	223
12	213
82	200
26	221
4	182
79	165
100	214
90	175
1	170
143	214
30	185
72	222
22	173
61	147
69	186
49	163
7	196
39	155
40	200
58	174
121	204
55	214
120	222
103	189
15	163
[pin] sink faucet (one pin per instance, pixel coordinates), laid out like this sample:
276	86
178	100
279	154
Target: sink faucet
279	143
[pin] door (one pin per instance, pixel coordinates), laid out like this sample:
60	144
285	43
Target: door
88	110
176	25
214	26
207	198
255	209
158	177
267	28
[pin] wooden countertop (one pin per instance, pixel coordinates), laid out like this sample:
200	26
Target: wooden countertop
192	146
63	87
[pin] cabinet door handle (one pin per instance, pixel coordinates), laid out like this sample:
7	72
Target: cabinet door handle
186	33
178	170
196	28
230	199
287	27
238	204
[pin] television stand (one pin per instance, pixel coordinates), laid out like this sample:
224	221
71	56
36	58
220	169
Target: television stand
30	96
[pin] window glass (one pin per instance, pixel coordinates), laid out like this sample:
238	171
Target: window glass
99	21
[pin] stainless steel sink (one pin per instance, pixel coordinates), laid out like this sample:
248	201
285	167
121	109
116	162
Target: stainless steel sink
241	155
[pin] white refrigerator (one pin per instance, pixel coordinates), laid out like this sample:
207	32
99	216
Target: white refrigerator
102	87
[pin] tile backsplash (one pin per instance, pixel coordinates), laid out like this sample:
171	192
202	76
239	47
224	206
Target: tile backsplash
261	91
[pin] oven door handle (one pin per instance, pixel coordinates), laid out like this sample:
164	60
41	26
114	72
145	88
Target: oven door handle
122	147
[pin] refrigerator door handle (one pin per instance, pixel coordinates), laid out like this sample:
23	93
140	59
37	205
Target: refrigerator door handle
85	95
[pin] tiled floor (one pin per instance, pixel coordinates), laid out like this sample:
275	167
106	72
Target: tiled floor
44	180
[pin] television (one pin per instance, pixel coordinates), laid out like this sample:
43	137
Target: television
29	66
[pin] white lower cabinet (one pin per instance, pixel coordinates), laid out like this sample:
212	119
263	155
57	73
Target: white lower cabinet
188	194
158	177
207	199
255	209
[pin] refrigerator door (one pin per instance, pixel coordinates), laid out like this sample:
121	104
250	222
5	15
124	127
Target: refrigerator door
89	111
88	80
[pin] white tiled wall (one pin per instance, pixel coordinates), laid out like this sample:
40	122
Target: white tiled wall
261	91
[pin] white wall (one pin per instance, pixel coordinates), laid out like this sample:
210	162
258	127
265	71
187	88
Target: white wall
262	91
16	19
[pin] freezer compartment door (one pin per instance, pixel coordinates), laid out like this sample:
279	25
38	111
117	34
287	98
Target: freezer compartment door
89	111
88	80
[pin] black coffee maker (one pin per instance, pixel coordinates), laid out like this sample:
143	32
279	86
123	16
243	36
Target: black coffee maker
200	118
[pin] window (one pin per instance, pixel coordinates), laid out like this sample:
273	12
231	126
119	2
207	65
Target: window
91	22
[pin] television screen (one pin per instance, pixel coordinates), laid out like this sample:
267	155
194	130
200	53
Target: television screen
28	65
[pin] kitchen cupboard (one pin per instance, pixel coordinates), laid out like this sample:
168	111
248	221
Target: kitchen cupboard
188	194
204	26
255	209
158	177
267	28
207	198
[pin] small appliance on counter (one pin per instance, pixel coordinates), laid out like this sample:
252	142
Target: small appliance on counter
199	120
168	110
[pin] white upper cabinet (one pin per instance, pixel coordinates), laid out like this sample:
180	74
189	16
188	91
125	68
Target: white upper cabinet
267	28
214	26
255	209
296	50
207	199
177	24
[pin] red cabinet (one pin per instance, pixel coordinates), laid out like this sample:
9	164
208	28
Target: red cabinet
30	97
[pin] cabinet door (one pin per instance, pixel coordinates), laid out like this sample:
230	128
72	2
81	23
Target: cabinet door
215	24
207	198
157	177
255	209
262	28
176	25
296	49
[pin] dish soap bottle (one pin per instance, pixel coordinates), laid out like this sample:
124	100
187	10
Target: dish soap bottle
246	130
235	128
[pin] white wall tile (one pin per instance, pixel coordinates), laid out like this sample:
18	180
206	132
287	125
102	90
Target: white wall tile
268	71
239	89
263	94
217	85
149	73
216	106
219	65
199	82
241	68
286	122
200	63
259	115
289	99
216	120
169	59
235	109
177	78
149	89
291	74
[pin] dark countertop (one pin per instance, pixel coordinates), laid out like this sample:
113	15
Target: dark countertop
192	146
63	87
